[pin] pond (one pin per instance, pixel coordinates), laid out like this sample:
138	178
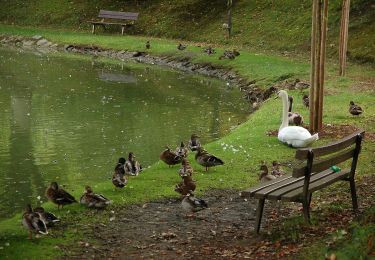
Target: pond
70	118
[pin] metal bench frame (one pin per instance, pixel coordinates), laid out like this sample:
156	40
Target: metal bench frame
314	174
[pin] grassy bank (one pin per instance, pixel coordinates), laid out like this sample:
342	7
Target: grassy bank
257	25
242	150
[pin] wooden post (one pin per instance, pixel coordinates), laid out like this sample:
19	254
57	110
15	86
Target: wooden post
93	28
229	17
318	43
343	45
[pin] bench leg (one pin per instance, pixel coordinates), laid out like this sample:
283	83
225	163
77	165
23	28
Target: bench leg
259	215
354	194
93	29
306	210
122	30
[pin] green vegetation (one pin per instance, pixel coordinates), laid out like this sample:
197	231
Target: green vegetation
257	25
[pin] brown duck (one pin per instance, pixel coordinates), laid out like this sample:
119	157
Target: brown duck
354	109
306	100
264	175
132	166
293	117
169	157
182	150
194	142
186	168
93	200
207	160
118	178
187	185
33	223
58	195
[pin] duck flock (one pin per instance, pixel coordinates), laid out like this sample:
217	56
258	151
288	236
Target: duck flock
37	220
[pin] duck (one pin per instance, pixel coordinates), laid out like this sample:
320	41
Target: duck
294	117
276	169
298	84
169	157
132	166
354	109
264	175
33	222
181	47
228	55
187	185
186	168
182	150
118	178
148	45
306	100
209	50
194	142
59	196
207	160
192	204
295	136
47	217
93	200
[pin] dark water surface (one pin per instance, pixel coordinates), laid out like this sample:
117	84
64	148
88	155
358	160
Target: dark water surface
69	119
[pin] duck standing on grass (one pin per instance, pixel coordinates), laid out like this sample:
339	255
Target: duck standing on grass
207	160
59	196
354	109
93	200
264	175
132	166
118	178
293	117
47	217
33	223
169	157
186	186
181	47
148	45
186	168
306	100
182	150
276	169
194	142
193	204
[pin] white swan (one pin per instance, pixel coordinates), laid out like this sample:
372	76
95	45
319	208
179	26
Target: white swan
295	136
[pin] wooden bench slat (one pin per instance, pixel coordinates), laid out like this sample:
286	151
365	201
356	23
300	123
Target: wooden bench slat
325	163
110	23
301	154
250	191
316	185
118	15
277	194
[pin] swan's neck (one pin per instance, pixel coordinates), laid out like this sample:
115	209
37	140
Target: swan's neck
285	121
290	105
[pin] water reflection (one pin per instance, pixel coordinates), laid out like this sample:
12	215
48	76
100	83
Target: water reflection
66	120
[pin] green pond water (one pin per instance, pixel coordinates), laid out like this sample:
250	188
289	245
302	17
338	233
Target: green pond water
70	118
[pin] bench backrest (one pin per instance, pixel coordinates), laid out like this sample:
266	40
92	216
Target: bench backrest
330	154
118	15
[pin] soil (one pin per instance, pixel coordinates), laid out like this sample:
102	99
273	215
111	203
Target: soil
161	229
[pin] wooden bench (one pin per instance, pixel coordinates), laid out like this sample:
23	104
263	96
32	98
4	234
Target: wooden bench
113	17
317	169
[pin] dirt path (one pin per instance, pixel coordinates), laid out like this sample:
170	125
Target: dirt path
160	230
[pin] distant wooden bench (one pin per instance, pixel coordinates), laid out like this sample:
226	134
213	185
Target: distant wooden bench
310	175
115	18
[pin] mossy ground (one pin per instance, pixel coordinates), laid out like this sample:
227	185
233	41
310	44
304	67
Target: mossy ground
242	149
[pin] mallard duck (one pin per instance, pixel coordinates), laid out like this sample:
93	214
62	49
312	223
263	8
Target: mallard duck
276	169
207	160
354	109
187	185
181	47
169	157
33	223
182	150
58	195
194	142
148	45
301	85
47	217
264	175
186	168
209	50
228	55
132	166
193	204
93	200
306	100
294	136
118	178
293	117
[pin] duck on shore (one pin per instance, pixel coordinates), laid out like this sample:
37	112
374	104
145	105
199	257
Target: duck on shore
33	223
169	157
59	196
354	109
206	159
294	117
182	150
194	142
118	178
47	217
93	200
192	204
132	166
